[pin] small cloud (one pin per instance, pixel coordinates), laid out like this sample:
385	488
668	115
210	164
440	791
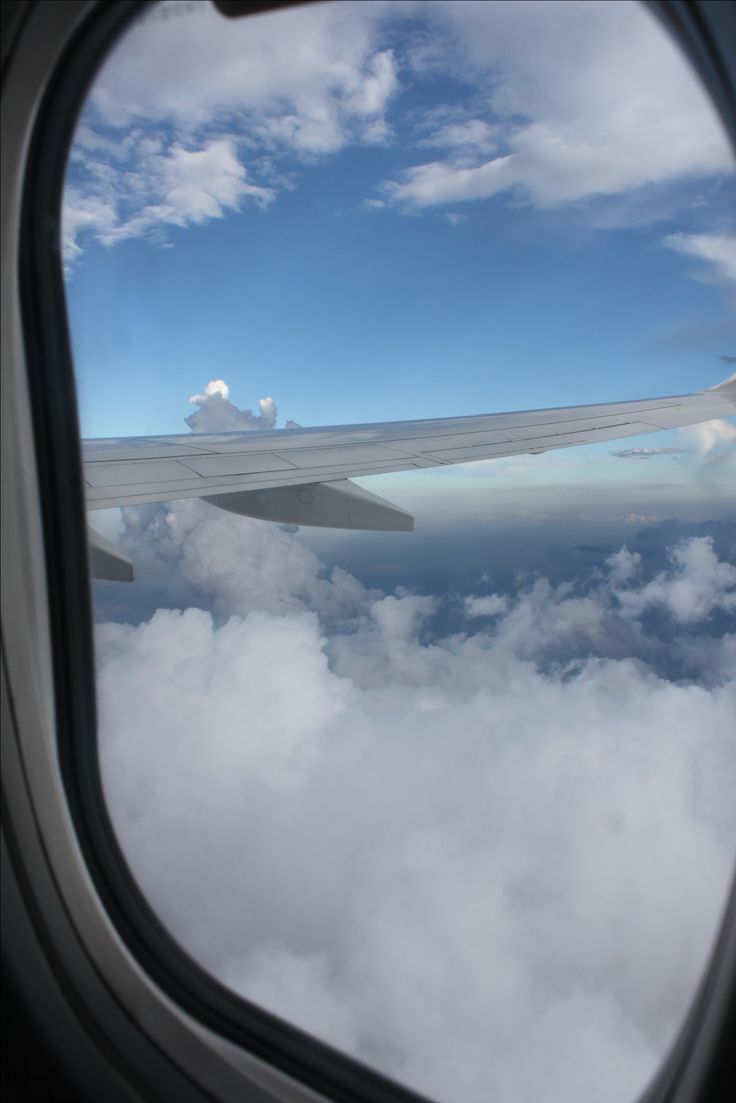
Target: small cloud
217	414
642	519
488	606
454	218
647	453
727	359
717	251
438	182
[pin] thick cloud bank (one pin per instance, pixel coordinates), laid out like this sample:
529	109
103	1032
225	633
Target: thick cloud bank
489	863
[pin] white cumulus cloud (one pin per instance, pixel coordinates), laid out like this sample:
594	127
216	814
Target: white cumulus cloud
217	414
697	585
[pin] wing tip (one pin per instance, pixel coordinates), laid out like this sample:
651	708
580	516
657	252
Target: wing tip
726	389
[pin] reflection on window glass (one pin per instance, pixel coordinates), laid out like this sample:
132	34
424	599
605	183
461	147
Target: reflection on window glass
454	800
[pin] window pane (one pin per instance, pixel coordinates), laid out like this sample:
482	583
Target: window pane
456	800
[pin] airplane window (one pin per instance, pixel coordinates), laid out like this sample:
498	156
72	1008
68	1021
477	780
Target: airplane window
458	800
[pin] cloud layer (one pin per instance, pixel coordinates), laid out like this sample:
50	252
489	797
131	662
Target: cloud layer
463	858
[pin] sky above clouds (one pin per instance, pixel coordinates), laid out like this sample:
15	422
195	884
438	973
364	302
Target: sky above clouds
454	800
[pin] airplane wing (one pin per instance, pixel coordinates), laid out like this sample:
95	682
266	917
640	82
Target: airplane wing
301	476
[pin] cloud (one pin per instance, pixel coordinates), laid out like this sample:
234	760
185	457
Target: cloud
712	439
727	359
697	585
194	115
468	135
463	858
626	115
623	565
170	132
370	95
85	214
647	453
643	519
198	555
201	184
717	251
319	73
490	605
442	182
178	187
215	387
217	414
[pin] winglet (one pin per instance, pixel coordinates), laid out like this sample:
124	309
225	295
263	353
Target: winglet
727	388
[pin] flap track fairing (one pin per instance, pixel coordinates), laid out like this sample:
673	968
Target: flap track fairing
337	505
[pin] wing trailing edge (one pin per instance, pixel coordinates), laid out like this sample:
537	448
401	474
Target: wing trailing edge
106	560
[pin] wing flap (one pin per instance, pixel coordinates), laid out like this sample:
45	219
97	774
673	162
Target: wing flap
338	505
106	560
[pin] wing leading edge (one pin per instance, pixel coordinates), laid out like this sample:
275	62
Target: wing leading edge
302	475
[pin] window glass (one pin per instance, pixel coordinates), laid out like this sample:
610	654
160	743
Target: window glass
454	800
